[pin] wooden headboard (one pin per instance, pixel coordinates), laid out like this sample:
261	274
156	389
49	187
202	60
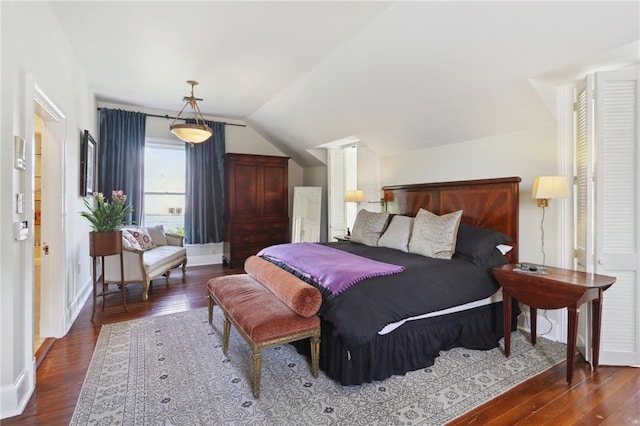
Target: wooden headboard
486	203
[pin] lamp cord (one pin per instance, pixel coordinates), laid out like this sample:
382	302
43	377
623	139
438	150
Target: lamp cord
542	237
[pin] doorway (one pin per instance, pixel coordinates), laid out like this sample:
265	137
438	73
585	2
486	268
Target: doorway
38	125
49	218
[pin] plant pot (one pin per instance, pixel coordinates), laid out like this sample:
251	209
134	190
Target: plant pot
105	243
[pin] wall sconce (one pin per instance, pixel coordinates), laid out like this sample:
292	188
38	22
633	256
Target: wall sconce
357	196
354	196
544	189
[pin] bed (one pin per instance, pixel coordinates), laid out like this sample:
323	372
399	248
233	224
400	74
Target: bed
391	324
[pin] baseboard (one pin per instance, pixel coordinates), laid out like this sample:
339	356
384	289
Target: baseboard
14	397
547	327
43	350
206	259
73	310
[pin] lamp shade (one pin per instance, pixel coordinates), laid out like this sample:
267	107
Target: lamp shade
354	196
546	187
192	133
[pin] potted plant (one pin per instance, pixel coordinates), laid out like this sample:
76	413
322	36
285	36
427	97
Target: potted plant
106	219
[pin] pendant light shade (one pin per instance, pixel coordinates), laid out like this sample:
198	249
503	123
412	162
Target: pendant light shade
191	132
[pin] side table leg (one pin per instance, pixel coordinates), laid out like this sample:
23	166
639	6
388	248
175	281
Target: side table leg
122	286
95	288
533	313
506	310
103	284
596	304
572	312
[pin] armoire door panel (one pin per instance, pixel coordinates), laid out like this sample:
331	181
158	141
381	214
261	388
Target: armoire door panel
274	184
246	202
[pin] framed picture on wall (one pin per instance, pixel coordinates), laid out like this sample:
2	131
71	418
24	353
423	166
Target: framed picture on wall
88	165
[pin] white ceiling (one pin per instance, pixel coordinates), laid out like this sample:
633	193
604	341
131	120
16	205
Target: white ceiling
396	75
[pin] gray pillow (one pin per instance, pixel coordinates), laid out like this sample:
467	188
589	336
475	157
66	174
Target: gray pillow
157	235
368	227
397	234
433	235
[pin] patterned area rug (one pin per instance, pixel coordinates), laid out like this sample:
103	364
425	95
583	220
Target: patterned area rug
170	370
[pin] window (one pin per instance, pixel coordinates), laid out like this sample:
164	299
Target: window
164	185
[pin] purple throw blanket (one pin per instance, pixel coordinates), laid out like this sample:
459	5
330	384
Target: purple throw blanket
333	269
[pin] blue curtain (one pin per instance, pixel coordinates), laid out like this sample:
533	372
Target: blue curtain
121	156
204	204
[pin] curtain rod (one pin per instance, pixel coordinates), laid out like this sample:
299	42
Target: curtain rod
176	118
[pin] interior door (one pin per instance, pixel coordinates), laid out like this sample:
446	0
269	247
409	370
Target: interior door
617	225
608	208
584	173
583	198
53	263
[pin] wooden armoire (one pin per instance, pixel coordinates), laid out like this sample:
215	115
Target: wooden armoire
256	205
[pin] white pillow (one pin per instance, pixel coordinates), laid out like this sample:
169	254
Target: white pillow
433	235
504	248
397	234
368	227
142	236
130	241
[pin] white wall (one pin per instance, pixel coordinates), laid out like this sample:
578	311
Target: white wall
525	154
34	50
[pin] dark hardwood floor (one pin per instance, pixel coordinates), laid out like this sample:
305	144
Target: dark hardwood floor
611	396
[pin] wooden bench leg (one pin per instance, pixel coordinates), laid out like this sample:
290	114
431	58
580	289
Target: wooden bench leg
211	303
315	355
225	335
257	370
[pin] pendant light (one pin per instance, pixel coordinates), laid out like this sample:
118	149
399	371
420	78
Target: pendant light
191	132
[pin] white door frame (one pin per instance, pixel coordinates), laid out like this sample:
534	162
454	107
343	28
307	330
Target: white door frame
54	267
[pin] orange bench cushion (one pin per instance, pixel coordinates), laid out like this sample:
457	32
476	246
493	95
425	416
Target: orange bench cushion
303	298
258	311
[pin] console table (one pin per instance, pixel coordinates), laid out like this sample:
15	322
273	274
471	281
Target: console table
557	288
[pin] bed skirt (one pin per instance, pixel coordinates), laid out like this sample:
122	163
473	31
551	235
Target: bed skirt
414	345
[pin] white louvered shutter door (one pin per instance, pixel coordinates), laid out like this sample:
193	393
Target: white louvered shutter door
583	199
584	177
617	213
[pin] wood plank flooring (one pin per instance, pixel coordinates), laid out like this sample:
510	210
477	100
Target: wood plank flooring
611	396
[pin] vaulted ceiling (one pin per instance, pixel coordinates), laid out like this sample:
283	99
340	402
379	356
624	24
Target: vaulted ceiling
395	75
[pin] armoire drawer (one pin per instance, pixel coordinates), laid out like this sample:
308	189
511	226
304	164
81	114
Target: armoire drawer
242	227
257	237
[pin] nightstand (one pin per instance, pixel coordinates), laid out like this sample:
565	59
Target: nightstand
558	288
346	238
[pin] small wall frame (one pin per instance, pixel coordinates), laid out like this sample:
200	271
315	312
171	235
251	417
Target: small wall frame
88	165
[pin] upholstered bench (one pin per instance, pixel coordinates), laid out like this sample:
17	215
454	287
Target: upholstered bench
269	307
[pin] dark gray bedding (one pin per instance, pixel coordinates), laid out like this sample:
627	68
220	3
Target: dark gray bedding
427	285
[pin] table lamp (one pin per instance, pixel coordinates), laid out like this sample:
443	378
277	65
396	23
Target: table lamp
544	189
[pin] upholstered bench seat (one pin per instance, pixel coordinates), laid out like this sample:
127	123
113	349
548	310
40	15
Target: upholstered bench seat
269	307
